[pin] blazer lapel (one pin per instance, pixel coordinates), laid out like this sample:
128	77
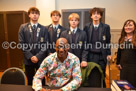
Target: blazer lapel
100	31
39	32
69	36
59	31
77	35
29	33
90	32
51	32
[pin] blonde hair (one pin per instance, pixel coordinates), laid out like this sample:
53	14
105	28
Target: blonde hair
74	15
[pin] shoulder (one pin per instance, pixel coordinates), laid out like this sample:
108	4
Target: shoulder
81	31
62	28
47	26
24	25
88	24
43	27
50	58
73	57
105	25
65	32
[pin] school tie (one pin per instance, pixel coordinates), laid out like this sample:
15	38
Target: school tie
34	27
73	36
95	28
34	33
55	29
73	32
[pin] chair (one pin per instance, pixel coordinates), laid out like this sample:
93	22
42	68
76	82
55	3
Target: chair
92	75
13	76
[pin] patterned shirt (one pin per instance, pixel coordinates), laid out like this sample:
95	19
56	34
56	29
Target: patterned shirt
66	75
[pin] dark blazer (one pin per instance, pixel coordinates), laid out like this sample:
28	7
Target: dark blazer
104	37
80	39
26	38
54	36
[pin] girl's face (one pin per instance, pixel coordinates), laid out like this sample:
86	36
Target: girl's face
129	27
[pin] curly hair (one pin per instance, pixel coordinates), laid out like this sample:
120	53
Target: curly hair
95	9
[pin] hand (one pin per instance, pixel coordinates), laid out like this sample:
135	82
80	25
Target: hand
109	57
34	59
83	64
119	67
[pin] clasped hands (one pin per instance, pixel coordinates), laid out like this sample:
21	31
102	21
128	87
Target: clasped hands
34	59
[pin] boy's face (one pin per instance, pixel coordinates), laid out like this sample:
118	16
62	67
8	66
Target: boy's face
96	16
34	16
55	18
73	22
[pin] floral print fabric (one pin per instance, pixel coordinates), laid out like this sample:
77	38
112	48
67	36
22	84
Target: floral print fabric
66	75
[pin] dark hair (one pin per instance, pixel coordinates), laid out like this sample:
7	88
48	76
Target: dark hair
95	9
55	12
123	33
33	9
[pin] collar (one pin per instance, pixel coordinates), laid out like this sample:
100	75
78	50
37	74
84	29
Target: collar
58	58
128	39
55	26
96	25
73	29
34	24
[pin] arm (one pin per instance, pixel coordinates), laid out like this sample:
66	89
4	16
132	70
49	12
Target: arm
49	41
85	52
21	37
118	59
118	56
37	84
108	38
76	73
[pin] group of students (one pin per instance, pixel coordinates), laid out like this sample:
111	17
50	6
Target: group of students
62	66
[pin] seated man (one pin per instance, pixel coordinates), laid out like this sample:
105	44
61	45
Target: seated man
62	69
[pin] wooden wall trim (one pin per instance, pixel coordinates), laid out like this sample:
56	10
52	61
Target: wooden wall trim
6	38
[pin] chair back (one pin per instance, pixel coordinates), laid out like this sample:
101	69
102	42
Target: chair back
13	75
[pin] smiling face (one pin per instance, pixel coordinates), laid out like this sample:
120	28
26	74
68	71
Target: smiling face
129	27
62	49
128	30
